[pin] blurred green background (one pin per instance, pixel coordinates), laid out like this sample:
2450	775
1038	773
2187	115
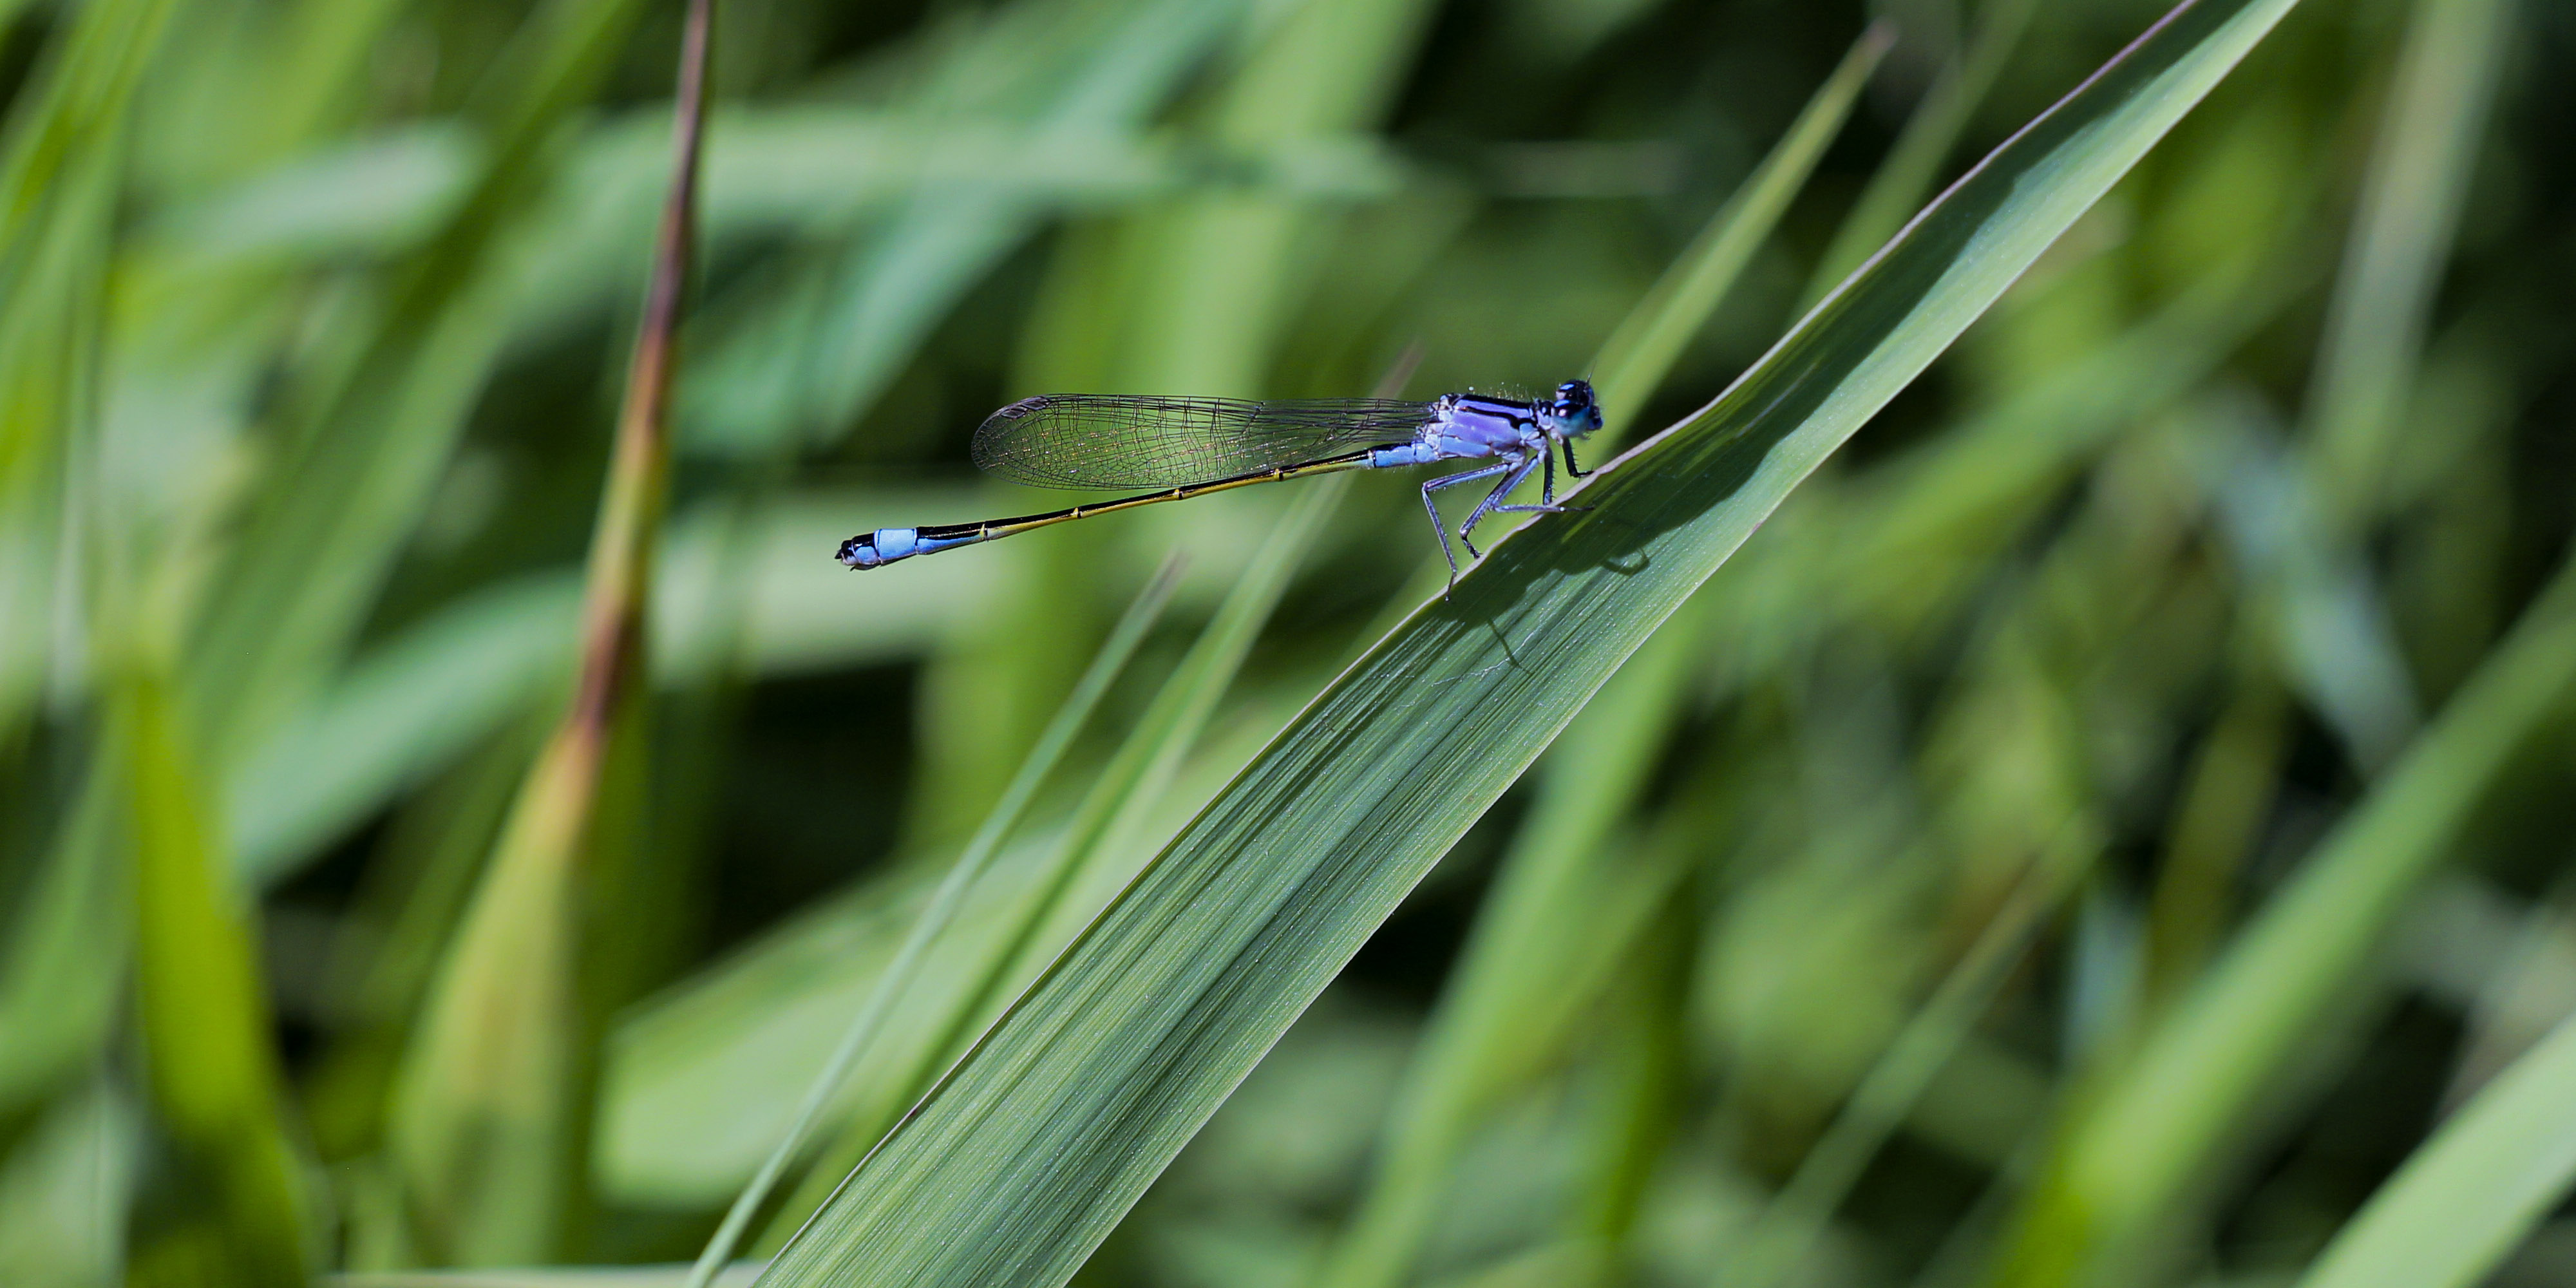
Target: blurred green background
2156	655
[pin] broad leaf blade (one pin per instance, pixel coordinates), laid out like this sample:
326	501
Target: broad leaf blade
1021	1161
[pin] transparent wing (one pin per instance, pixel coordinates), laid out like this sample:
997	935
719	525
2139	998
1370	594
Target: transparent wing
1124	440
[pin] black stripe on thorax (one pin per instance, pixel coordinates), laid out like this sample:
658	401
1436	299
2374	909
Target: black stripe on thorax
1513	410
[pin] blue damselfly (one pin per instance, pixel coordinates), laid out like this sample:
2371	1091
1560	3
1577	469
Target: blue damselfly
1193	446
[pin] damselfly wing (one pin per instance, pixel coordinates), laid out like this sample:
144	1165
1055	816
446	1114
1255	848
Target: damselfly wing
1143	440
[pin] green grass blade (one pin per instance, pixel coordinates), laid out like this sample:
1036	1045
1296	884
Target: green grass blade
703	1078
312	556
1097	852
1790	1227
2469	1194
1637	356
2217	821
64	961
803	168
319	58
2170	1111
70	117
1929	519
1566	905
1020	1162
934	920
415	701
63	159
1188	296
2336	638
1105	840
63	1188
699	1080
2419	180
402	710
1224	271
1930	135
498	1095
812	359
2233	1037
738	1275
2296	528
204	1020
62	167
1972	490
2324	612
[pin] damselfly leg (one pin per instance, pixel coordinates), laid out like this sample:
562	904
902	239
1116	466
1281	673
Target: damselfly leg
1493	502
1570	470
1546	494
1440	529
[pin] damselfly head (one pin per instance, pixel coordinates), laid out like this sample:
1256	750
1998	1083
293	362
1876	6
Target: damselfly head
1575	412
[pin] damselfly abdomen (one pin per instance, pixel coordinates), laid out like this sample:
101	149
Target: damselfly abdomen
1193	446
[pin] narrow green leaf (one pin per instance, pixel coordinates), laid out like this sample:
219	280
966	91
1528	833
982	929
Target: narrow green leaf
2323	611
2185	1096
1531	970
319	57
1022	1159
402	711
935	919
63	155
479	1121
1097	853
1931	134
2216	824
700	1079
499	1091
2301	541
1970	492
1797	1217
2419	180
1187	296
816	356
72	117
2170	1111
367	450
1223	272
2469	1194
65	958
1566	905
63	1190
62	163
1637	356
803	168
204	1019
413	703
737	1275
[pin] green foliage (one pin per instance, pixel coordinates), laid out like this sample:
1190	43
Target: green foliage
2474	1190
201	1019
1009	1171
2048	770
